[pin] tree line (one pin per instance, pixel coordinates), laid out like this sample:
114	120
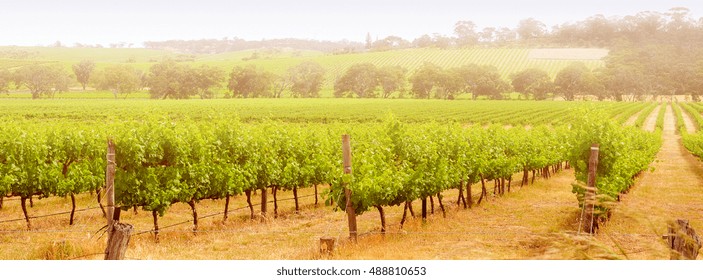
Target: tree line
632	73
673	26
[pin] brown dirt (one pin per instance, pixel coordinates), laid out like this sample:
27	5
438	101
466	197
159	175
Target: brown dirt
673	190
688	122
650	124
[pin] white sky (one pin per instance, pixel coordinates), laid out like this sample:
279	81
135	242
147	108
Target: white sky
42	22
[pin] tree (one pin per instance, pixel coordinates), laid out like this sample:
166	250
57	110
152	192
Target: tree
488	35
599	30
620	80
505	36
529	29
165	81
391	79
574	79
469	75
368	40
424	80
424	41
697	88
280	83
466	34
82	70
532	82
481	80
306	79
119	78
248	81
490	83
42	79
360	79
449	83
390	43
5	78
170	79
206	77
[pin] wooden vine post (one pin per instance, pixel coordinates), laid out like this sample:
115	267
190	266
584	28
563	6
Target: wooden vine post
682	240
118	234
588	223
110	183
347	163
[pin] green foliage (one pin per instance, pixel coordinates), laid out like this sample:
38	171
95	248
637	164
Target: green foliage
397	162
623	153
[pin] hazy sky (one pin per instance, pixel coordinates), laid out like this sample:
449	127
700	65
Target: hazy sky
42	22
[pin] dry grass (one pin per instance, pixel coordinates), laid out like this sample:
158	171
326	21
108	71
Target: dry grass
533	222
672	191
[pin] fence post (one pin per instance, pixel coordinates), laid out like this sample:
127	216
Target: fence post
682	240
347	163
588	222
110	183
118	234
326	245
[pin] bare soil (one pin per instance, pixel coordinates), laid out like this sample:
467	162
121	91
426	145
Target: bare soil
650	124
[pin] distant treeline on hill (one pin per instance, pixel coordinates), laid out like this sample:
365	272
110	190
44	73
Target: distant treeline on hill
675	26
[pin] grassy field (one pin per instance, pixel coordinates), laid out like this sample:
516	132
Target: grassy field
323	110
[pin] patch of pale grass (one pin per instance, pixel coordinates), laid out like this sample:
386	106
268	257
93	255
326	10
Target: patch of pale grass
568	54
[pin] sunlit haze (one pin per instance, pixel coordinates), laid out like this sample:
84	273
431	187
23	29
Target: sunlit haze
43	22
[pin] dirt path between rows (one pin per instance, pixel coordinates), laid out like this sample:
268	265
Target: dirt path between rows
532	222
650	124
631	121
688	121
673	190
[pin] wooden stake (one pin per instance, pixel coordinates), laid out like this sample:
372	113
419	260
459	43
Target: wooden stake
682	240
347	163
588	223
110	183
326	245
118	233
118	241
